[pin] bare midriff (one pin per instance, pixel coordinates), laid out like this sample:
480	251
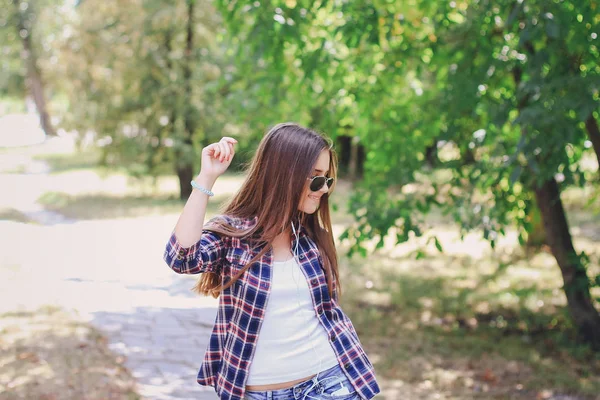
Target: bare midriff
277	386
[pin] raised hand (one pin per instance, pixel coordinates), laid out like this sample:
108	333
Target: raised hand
216	157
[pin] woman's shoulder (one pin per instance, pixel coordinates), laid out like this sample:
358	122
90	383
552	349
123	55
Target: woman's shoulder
233	230
233	221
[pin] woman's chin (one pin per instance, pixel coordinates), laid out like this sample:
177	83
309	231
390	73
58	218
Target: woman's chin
309	209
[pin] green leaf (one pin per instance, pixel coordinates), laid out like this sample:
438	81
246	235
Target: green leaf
362	251
401	237
522	240
344	234
438	245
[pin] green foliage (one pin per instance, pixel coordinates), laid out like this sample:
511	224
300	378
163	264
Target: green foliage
501	87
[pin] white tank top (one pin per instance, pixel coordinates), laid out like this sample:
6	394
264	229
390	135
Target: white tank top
291	344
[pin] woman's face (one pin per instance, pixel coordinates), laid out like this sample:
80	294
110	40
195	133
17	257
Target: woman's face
309	203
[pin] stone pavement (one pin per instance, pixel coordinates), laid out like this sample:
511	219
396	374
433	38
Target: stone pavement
164	348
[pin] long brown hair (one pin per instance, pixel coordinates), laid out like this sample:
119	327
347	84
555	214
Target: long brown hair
272	192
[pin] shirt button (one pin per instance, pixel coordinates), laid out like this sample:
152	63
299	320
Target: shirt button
332	337
320	310
347	365
314	282
181	252
301	256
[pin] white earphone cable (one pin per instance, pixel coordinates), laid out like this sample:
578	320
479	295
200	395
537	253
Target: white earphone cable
295	254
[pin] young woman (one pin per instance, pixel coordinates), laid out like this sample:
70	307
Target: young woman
280	332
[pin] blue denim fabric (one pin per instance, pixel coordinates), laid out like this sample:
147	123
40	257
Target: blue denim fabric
331	384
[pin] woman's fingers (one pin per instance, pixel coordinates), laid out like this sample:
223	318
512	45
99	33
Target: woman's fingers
216	150
210	149
228	153
229	139
229	142
232	151
224	151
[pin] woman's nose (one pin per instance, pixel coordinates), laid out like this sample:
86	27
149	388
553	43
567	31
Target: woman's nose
324	189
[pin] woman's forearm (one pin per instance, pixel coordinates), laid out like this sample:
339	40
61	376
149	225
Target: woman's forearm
188	229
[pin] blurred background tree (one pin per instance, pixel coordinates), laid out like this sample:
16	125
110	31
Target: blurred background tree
24	48
145	75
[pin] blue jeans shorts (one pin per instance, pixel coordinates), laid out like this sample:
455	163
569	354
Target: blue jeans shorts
331	384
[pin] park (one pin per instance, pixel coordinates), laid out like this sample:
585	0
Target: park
466	208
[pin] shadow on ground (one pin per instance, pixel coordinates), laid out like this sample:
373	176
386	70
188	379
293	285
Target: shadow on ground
48	354
462	330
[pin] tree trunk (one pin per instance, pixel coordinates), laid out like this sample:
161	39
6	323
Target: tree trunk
431	154
185	169
360	162
467	156
576	283
33	79
353	163
537	236
344	152
187	69
594	134
185	173
170	128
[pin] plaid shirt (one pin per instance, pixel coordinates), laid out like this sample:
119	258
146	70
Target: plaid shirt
242	309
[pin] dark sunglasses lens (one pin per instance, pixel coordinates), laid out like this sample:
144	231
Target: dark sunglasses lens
317	183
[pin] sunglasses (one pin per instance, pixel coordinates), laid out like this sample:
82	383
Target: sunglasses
317	182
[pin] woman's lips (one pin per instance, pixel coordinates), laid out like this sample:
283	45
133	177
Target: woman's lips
314	198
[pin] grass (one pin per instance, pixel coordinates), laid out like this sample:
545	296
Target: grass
101	206
85	159
49	354
10	214
405	317
492	323
469	323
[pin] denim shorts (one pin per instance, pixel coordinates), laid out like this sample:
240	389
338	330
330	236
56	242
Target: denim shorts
332	384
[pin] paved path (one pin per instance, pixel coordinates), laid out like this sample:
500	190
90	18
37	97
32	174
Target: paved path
111	273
